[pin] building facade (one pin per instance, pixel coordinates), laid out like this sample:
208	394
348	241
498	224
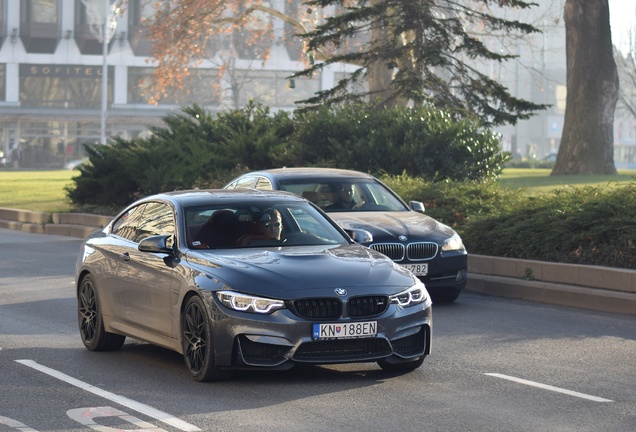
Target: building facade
51	79
51	85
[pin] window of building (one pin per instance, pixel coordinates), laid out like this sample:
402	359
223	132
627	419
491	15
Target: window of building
40	11
3	80
138	12
40	25
273	88
253	39
294	44
201	87
4	31
87	42
62	86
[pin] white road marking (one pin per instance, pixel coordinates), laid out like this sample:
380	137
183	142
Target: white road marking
549	387
15	424
86	417
122	400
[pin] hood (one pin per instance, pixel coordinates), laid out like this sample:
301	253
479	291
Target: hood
388	226
314	270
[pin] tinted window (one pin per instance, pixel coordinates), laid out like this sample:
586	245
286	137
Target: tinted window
245	183
367	195
126	225
263	184
228	226
144	221
157	219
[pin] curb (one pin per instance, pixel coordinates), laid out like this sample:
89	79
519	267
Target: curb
66	224
558	294
597	288
604	289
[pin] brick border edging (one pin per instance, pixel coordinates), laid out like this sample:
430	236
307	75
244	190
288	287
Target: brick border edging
607	278
67	224
552	293
598	288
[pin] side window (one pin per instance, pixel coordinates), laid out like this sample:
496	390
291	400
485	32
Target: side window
157	220
263	184
127	224
245	183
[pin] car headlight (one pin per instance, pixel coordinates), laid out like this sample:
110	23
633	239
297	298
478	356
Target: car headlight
453	243
247	303
411	296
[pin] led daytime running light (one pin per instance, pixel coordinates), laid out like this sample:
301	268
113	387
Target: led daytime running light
247	303
409	297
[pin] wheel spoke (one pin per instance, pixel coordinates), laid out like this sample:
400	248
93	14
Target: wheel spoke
87	310
195	337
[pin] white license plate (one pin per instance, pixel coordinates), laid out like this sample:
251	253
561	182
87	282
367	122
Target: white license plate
417	269
345	331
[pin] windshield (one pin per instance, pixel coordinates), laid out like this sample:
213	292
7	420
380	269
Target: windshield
345	194
249	225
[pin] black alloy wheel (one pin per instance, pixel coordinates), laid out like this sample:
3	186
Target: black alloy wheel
91	324
198	351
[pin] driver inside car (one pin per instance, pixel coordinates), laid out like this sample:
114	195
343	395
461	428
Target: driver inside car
266	231
344	198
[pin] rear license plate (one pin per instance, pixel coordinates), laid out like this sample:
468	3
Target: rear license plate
417	269
345	331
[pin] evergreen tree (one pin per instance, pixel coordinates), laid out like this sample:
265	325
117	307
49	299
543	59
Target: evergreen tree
418	52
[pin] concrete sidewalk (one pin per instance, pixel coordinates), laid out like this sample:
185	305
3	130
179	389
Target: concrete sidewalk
591	287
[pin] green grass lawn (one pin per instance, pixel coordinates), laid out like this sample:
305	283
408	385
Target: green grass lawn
44	190
36	190
538	180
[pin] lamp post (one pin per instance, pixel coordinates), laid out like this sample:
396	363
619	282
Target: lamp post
105	39
101	19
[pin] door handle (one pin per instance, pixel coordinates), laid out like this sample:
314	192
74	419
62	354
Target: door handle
125	256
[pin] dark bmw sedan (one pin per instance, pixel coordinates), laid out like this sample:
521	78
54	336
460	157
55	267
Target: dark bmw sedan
377	217
247	279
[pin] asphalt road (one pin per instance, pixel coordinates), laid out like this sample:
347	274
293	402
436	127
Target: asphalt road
497	365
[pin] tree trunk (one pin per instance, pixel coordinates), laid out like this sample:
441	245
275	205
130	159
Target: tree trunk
587	145
379	74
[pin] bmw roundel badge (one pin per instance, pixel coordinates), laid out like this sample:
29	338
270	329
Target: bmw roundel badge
341	291
402	238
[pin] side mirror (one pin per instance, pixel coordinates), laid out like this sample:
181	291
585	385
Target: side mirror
360	236
416	206
157	244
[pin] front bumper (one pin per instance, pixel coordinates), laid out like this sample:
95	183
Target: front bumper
281	340
447	270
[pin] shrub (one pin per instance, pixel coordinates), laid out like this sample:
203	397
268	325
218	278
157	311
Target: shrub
453	203
588	225
421	141
591	225
193	149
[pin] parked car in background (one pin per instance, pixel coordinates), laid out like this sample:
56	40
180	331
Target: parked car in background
175	270
379	219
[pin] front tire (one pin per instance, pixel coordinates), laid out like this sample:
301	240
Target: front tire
91	322
198	350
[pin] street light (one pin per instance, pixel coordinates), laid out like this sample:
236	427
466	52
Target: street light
102	23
